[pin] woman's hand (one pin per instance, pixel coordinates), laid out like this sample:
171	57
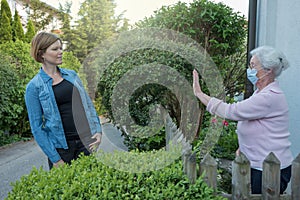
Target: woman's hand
196	85
237	152
197	89
58	163
94	146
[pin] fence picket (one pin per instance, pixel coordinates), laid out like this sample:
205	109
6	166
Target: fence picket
271	177
240	170
208	167
295	180
241	177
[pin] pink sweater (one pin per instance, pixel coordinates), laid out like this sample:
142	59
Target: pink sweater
262	124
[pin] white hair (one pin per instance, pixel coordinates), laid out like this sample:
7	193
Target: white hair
271	58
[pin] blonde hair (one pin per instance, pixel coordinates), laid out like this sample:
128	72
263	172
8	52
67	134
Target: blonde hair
40	43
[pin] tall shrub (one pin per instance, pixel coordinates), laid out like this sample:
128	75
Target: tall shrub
10	96
24	68
30	33
5	8
5	28
216	27
17	29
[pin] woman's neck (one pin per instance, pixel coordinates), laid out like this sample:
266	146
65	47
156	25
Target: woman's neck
262	83
50	70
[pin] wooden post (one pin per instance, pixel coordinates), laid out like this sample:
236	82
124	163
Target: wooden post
208	169
271	177
189	165
192	168
295	182
240	178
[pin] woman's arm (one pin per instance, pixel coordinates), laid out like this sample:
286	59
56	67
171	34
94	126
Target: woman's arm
255	107
35	115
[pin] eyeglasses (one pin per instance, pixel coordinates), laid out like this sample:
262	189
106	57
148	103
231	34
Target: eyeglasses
252	65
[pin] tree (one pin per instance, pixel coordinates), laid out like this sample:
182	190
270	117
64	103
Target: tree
5	29
96	23
5	8
219	30
30	33
17	29
40	14
64	15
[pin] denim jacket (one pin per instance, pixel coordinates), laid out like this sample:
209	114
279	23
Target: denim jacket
44	117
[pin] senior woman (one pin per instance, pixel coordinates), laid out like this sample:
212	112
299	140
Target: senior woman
262	119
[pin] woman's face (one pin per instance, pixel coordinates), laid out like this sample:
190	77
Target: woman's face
53	54
255	64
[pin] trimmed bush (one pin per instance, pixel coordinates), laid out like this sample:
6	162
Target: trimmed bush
88	178
9	95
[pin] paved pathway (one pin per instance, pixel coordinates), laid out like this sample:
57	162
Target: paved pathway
18	159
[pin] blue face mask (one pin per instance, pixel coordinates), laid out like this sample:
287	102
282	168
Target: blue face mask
251	75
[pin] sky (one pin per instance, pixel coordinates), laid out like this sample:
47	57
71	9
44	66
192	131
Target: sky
136	10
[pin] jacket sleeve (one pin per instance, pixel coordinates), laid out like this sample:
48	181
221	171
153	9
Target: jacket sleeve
255	107
36	120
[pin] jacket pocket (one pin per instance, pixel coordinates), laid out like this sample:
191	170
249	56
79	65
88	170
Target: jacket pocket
46	104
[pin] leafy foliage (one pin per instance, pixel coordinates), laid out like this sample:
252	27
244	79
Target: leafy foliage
5	8
96	23
149	94
23	68
30	33
227	143
224	150
157	141
214	26
5	22
87	178
5	28
6	139
9	94
65	16
41	14
70	61
17	29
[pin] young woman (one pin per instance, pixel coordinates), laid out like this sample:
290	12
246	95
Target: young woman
62	117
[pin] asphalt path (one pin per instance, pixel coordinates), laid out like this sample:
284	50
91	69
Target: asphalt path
18	159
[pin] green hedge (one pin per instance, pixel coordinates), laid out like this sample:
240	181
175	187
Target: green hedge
88	178
9	95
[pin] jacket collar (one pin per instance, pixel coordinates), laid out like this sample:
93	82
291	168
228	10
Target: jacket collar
274	87
47	78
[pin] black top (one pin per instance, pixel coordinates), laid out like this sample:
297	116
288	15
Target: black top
71	110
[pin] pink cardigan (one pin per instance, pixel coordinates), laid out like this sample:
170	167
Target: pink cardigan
262	124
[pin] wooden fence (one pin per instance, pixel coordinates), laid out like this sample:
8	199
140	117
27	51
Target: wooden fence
241	187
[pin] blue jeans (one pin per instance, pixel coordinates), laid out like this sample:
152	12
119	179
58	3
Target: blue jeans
76	147
256	180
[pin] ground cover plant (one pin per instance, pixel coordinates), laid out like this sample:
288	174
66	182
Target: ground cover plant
87	178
